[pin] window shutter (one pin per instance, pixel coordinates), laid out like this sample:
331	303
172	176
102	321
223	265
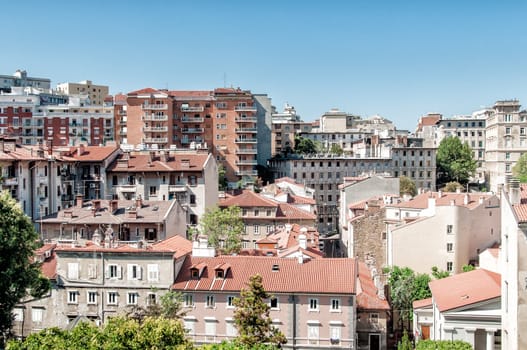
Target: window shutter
119	272
139	272
107	271
130	271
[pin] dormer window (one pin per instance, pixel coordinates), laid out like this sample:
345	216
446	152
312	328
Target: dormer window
219	274
194	273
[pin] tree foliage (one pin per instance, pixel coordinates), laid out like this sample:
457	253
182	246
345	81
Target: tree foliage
405	343
452	186
455	161
438	274
519	169
170	306
468	268
222	177
336	149
118	333
407	186
20	274
304	145
443	345
224	228
251	316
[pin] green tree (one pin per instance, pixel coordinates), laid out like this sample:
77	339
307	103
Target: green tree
455	161
304	145
251	316
336	149
170	306
405	343
20	275
438	274
519	169
407	186
452	186
224	228
222	178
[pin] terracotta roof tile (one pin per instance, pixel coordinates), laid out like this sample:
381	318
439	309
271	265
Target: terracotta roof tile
332	275
92	153
521	208
248	199
301	200
49	266
447	198
287	211
367	293
422	303
465	289
144	91
144	163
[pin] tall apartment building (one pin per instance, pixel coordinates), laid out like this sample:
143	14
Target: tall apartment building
286	126
21	79
224	121
95	93
506	140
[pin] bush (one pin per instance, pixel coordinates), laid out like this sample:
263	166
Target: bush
443	345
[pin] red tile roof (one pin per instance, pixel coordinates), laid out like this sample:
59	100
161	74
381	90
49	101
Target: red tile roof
144	91
144	163
335	276
248	199
367	297
49	266
447	198
418	304
301	200
465	289
193	93
521	208
91	153
287	211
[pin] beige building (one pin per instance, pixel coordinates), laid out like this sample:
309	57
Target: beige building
514	266
449	229
285	127
96	93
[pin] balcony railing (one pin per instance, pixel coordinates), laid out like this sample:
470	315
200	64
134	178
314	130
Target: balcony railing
192	109
245	109
155	140
155	128
192	120
247	162
246	120
246	151
246	130
125	188
246	141
11	181
247	173
156	107
192	130
154	117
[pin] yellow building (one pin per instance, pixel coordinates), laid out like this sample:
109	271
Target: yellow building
96	93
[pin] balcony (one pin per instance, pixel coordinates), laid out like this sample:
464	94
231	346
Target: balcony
155	128
123	120
13	181
245	120
246	162
122	112
178	187
155	140
247	140
246	151
245	109
153	117
125	188
192	109
192	120
246	173
156	107
192	130
245	130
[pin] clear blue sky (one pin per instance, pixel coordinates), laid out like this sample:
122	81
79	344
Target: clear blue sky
399	59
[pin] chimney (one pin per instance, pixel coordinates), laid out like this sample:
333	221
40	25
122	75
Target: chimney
164	156
185	163
481	199
139	202
114	205
514	191
68	213
466	199
302	241
79	199
96	204
132	214
200	248
80	150
93	211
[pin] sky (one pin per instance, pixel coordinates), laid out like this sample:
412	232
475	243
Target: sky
398	59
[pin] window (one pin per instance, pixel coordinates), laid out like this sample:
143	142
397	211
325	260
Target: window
153	190
268	212
449	228
36	314
522	131
151	299
374	318
230	329
507	155
230	301
73	271
256	230
449	266
132	298
18	315
507	118
72	297
134	272
210	329
114	271
256	212
449	247
507	168
313	334
269	229
507	131
91	297
313	304
188	300
92	271
112	298
153	272
210	302
334	334
273	303
335	304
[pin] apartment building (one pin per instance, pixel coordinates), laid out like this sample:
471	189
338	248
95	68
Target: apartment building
224	121
21	79
286	125
262	215
190	177
99	279
417	163
514	265
450	230
319	309
95	93
506	140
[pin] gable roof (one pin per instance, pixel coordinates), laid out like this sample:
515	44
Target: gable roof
147	163
322	276
465	289
367	293
248	199
91	153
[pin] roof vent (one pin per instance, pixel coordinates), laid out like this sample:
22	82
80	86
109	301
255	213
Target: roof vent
276	267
